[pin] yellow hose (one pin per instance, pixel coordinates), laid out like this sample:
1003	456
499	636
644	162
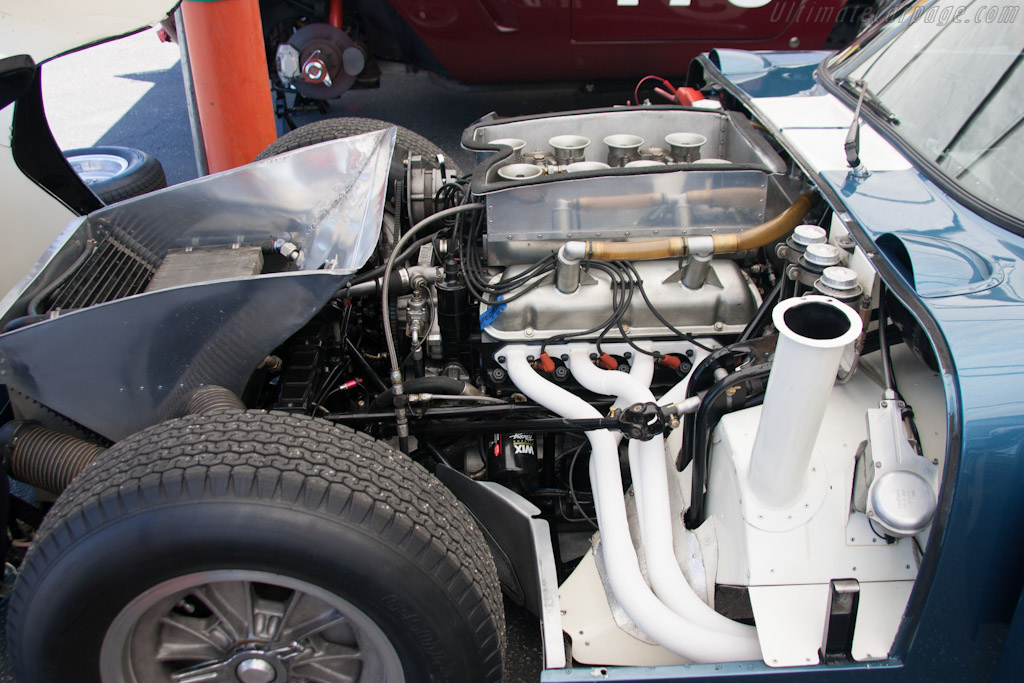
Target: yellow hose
671	247
636	251
767	232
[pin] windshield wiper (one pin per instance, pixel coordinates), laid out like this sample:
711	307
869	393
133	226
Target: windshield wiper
852	144
863	93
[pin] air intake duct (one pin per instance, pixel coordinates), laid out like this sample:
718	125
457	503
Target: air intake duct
43	457
813	332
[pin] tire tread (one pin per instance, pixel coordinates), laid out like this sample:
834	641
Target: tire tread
289	459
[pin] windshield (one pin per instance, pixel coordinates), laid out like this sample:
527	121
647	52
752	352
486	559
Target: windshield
950	72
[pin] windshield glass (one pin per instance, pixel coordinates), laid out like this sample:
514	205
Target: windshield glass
950	72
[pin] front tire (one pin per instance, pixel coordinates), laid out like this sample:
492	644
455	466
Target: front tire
256	540
347	126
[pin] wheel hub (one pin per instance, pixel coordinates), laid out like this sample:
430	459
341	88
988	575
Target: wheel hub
320	66
255	670
249	666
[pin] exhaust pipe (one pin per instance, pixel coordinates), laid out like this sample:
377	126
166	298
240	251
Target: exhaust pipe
813	332
650	614
650	487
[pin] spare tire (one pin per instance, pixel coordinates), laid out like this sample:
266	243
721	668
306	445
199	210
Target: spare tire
334	129
116	173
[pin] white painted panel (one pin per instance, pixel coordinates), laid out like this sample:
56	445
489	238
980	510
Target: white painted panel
588	620
820	111
790	622
824	149
879	613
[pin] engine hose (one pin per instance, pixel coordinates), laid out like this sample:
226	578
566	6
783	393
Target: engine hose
213	399
767	232
38	299
43	457
715	404
763	315
437	384
671	247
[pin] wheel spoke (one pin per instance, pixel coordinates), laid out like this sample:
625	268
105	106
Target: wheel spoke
231	602
305	616
334	664
190	639
210	673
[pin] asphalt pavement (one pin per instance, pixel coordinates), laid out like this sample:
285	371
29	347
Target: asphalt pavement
130	93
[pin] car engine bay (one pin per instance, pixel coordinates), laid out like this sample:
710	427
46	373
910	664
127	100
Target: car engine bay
642	323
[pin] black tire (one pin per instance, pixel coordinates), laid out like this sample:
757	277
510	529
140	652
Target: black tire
270	493
141	172
334	129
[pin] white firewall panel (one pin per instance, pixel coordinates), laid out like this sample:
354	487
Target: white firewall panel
819	550
596	638
879	614
790	622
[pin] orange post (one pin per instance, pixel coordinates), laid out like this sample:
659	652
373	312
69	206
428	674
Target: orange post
232	85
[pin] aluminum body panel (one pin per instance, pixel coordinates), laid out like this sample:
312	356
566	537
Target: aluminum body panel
326	199
122	366
514	524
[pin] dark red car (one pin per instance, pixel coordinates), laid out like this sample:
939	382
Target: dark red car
324	48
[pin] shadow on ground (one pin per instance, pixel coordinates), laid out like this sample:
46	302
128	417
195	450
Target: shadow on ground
158	124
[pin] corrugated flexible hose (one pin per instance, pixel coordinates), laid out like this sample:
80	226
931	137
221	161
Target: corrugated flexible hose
46	458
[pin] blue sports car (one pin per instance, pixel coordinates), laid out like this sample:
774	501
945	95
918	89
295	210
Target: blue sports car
716	390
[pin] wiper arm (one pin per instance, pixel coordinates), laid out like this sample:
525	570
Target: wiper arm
863	93
852	144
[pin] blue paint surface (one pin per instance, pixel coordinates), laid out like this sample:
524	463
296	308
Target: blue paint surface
966	619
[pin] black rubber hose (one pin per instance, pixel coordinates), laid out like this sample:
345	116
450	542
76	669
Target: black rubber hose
755	326
212	399
883	343
711	410
435	384
404	256
33	305
46	458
